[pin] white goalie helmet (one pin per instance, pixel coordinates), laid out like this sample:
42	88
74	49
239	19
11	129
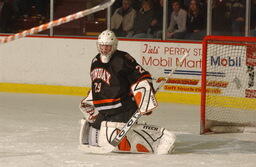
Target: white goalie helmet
107	38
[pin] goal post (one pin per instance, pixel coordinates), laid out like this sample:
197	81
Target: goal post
228	87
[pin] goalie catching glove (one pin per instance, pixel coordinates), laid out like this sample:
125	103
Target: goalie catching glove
87	108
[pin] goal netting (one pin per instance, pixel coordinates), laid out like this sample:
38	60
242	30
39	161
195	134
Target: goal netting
228	95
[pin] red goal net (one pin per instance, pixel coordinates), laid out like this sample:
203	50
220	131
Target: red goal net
229	68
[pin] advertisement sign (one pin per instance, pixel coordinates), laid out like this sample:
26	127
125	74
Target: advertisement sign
161	58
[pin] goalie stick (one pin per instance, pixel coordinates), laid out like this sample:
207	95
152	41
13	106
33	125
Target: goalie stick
34	30
137	114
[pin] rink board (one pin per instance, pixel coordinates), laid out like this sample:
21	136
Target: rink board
220	101
62	65
82	91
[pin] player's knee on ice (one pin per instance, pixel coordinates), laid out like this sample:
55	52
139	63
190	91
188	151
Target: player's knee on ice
141	138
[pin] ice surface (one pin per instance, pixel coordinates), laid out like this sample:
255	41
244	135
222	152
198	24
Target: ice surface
42	131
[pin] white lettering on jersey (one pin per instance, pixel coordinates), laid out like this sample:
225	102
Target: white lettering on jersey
101	73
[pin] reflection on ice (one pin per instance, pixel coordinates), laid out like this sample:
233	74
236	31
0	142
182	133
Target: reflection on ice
42	130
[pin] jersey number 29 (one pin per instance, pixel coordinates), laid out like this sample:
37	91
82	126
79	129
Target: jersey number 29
97	87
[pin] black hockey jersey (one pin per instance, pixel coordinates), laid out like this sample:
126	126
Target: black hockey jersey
112	81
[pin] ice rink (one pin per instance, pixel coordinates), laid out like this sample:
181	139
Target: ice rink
39	130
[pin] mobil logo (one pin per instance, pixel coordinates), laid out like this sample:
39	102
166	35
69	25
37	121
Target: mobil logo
226	61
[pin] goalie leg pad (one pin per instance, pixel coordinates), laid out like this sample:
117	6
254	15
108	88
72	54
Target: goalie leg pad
108	132
84	132
144	96
88	135
140	139
166	143
149	138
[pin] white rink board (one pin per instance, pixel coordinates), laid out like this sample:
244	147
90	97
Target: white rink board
66	62
58	61
50	61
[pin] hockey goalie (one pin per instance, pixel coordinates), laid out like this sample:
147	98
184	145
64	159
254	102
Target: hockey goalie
120	87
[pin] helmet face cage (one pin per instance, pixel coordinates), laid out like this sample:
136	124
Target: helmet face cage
107	37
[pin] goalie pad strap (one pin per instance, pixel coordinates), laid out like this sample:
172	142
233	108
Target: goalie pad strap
93	136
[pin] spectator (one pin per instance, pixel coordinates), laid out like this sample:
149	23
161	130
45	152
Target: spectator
90	4
25	7
143	20
156	25
220	21
177	27
253	18
7	16
186	4
237	16
1	7
42	7
203	7
195	21
200	2
117	4
137	4
123	19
